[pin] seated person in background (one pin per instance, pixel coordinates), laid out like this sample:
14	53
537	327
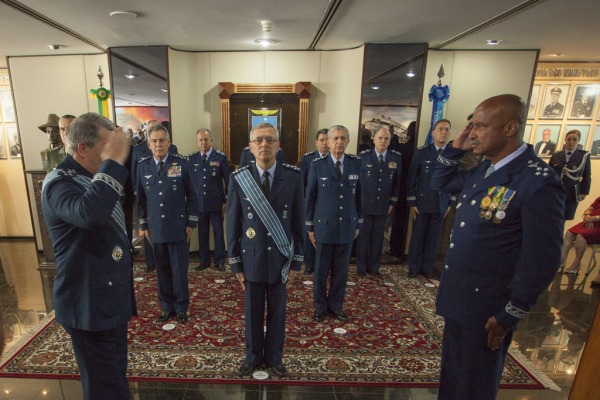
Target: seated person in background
584	233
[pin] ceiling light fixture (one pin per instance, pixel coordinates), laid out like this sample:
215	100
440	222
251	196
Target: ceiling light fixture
164	90
375	87
492	42
264	42
55	46
266	26
123	14
410	74
130	76
556	55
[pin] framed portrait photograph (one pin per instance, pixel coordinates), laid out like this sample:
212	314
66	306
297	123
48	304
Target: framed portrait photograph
2	145
584	101
533	102
14	143
585	132
527	133
595	147
553	104
546	139
8	109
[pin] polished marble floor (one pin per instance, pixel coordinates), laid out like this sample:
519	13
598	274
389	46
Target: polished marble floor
552	337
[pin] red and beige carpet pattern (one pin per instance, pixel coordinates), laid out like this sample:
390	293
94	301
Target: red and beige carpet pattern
393	338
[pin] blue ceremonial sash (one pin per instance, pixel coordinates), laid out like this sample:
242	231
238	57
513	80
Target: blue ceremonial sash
438	95
268	217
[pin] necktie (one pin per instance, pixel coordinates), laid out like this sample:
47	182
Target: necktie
569	155
160	166
266	185
490	171
380	159
440	150
204	157
338	169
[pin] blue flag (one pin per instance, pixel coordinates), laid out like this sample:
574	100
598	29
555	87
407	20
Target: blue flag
439	95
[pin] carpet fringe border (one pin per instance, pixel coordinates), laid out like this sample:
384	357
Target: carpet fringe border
535	371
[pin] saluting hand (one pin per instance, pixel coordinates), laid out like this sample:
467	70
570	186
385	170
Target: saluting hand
117	147
462	140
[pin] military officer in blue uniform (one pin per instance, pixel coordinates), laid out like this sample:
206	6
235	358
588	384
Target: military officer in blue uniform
247	158
210	172
265	240
168	212
428	206
140	151
573	167
505	248
380	175
334	217
305	163
93	289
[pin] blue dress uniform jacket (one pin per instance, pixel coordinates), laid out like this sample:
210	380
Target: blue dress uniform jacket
247	158
499	268
249	244
210	180
381	183
167	203
576	177
329	212
419	192
143	151
306	162
93	288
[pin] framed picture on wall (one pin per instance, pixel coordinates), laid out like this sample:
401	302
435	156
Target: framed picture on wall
595	147
8	109
2	145
555	98
527	133
585	132
13	142
546	138
533	103
584	101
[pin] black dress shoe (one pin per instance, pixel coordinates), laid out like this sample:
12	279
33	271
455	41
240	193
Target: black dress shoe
360	273
246	369
163	317
150	269
280	370
200	267
339	315
182	317
220	267
376	273
318	317
411	275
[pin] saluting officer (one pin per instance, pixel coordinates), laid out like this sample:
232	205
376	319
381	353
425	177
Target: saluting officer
247	158
265	239
380	176
140	151
307	159
428	206
210	172
333	219
168	212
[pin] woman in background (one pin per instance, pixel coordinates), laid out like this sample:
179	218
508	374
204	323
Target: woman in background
584	233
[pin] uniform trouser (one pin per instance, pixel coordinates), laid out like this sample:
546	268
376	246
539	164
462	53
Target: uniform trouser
205	220
172	262
331	259
369	243
424	242
102	360
470	369
309	254
261	346
149	254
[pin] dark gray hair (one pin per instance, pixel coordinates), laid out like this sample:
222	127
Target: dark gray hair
263	125
204	130
155	128
338	128
86	129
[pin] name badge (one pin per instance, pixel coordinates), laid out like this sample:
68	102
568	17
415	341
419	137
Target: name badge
352	176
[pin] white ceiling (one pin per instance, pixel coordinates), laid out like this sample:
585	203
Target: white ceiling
568	27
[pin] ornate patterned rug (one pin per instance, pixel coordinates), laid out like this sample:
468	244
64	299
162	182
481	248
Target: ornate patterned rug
393	338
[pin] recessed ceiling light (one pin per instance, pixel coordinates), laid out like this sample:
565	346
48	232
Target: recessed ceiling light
164	90
130	76
410	74
55	46
123	14
556	55
375	87
264	42
492	42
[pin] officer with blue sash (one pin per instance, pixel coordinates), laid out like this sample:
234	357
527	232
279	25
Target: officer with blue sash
210	172
333	220
380	174
265	240
505	247
168	212
307	159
